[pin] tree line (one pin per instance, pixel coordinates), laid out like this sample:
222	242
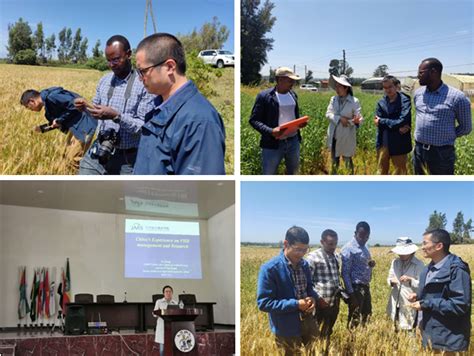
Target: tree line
461	233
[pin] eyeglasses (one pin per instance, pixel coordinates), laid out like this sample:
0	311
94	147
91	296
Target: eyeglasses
420	72
115	60
143	71
300	250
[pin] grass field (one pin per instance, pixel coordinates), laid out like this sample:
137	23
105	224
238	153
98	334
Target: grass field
315	158
377	338
24	152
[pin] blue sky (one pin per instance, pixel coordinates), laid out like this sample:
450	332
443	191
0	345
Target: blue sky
392	209
100	19
398	33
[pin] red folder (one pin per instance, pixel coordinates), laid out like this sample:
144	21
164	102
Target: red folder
294	125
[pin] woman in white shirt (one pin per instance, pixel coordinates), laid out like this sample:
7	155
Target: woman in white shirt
160	323
403	278
344	115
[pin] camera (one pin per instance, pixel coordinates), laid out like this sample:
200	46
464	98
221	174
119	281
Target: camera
342	293
107	139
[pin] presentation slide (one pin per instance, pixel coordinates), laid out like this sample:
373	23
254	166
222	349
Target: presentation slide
162	249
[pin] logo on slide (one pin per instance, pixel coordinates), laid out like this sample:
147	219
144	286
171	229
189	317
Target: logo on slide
137	227
184	340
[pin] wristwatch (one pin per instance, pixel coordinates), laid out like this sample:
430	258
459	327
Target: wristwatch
117	119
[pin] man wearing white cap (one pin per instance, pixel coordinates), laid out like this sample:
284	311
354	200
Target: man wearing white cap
274	107
403	277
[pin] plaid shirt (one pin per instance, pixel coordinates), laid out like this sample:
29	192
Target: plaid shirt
437	113
299	279
325	272
132	113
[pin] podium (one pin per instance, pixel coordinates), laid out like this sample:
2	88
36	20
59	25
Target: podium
180	333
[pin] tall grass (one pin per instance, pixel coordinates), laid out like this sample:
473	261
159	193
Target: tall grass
377	338
315	157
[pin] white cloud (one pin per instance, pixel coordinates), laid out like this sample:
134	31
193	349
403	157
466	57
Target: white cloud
385	208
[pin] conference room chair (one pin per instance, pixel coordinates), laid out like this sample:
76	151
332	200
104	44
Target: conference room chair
105	298
155	297
83	298
189	300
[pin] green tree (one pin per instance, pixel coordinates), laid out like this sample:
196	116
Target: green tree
458	228
62	51
437	221
467	229
19	38
309	76
25	56
338	67
82	57
96	51
50	45
256	21
38	42
212	35
271	76
75	46
381	71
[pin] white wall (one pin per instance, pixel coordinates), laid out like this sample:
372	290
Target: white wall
94	243
221	228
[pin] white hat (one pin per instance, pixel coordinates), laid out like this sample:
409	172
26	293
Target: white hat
404	246
343	80
286	72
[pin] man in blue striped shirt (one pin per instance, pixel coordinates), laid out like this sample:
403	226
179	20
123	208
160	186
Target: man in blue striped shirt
356	272
120	105
438	108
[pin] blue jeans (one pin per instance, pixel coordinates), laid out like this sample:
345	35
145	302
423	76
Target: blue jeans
433	159
121	162
289	149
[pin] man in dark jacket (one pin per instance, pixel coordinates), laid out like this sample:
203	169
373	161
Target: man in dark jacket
444	296
272	108
285	292
393	121
183	134
61	114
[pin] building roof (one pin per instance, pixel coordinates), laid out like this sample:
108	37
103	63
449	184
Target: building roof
463	78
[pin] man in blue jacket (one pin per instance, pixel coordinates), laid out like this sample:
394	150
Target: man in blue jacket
274	107
183	134
285	292
393	121
61	114
444	296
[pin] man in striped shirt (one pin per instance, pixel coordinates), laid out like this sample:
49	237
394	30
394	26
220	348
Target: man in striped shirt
325	274
438	108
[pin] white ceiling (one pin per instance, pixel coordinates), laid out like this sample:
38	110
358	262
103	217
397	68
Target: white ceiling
158	198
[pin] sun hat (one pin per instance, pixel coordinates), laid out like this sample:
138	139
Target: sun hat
343	80
286	72
404	246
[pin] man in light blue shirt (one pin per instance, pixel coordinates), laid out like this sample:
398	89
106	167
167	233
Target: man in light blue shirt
438	108
356	272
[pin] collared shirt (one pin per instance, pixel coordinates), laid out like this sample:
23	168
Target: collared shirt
436	115
433	269
299	279
355	265
325	274
132	112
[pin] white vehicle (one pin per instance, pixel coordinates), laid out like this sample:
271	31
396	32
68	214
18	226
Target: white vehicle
217	57
310	87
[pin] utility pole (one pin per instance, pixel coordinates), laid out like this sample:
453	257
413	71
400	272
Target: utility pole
294	68
149	6
305	73
343	61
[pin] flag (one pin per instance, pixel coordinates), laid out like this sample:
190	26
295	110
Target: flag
52	300
33	296
39	304
23	307
66	287
46	293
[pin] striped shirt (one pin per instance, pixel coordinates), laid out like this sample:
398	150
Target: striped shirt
132	112
299	279
325	273
437	113
355	265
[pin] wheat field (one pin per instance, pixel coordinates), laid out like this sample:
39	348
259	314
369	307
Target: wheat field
377	338
23	151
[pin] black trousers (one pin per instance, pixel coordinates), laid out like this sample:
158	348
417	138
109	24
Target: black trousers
326	319
360	312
